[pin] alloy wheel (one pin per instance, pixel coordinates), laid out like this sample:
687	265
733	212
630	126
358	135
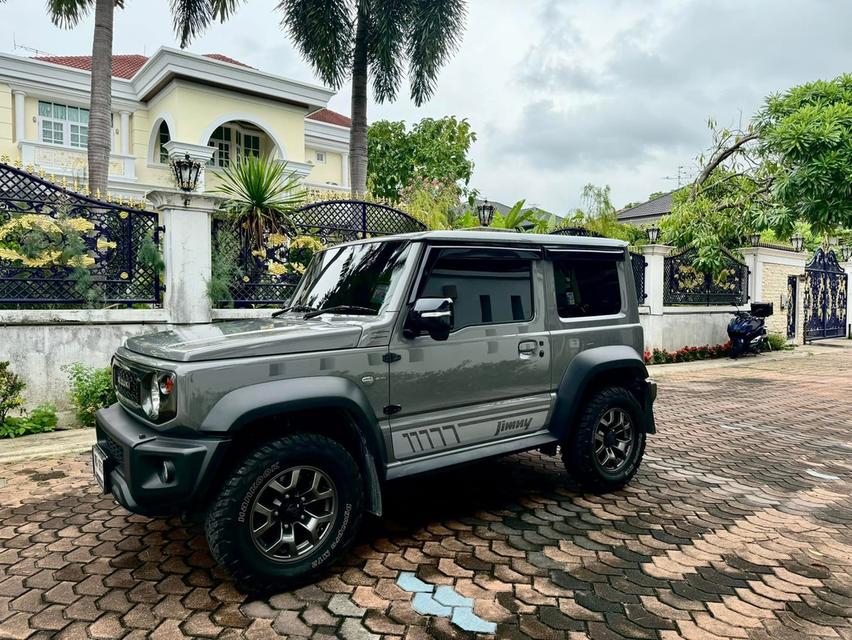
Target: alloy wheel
614	439
293	513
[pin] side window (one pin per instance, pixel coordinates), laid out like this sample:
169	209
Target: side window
586	286
487	286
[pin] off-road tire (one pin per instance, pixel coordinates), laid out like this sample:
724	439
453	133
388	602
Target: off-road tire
227	524
578	451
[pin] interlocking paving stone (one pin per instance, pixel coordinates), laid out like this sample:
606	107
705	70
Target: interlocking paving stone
739	532
449	597
411	582
425	604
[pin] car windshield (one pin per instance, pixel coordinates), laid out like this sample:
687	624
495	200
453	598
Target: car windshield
360	276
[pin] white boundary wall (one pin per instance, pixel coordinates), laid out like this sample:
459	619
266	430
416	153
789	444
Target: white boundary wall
40	342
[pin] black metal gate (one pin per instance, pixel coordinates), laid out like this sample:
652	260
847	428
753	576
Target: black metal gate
825	295
792	305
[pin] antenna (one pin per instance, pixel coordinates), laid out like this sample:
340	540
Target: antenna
682	175
33	50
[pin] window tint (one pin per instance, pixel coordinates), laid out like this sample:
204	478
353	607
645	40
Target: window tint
487	287
586	286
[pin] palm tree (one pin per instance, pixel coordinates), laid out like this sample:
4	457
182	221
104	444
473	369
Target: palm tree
68	14
261	194
356	38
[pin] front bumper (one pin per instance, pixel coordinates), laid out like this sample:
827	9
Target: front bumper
150	472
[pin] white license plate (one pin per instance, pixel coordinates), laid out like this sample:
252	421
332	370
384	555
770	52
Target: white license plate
98	459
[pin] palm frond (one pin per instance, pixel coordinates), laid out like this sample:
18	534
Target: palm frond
388	37
323	31
435	31
261	194
68	13
192	17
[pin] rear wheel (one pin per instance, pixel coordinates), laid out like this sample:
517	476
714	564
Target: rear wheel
287	512
605	448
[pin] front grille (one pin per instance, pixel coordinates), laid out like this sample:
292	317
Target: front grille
113	450
126	383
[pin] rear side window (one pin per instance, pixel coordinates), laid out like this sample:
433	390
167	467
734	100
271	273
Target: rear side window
586	286
487	286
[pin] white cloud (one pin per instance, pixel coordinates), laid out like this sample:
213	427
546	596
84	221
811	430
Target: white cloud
560	93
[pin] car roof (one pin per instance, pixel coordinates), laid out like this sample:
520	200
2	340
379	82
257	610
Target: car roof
475	236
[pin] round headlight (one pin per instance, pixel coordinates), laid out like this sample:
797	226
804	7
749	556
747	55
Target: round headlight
151	402
166	384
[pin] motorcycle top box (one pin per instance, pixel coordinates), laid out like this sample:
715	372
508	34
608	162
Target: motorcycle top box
761	309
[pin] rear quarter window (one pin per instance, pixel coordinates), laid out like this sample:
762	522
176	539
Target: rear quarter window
586	286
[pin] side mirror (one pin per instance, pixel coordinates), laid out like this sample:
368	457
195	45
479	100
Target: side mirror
430	315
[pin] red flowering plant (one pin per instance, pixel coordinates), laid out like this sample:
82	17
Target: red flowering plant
687	354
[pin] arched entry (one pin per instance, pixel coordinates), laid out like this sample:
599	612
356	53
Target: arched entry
239	135
825	295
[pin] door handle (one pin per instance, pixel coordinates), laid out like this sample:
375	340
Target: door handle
527	347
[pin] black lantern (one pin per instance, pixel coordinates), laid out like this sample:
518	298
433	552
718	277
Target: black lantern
186	172
798	242
653	233
755	239
485	212
846	250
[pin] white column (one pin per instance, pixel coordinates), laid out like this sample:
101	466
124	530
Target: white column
344	161
124	132
19	115
654	274
755	272
847	267
187	247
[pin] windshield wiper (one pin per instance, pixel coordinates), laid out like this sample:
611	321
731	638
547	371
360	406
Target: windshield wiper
295	307
342	308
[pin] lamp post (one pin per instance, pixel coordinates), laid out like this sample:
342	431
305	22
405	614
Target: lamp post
798	242
186	171
653	233
755	239
485	211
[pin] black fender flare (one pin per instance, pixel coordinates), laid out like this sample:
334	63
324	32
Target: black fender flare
584	369
235	410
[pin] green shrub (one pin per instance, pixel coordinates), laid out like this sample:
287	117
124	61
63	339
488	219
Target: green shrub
11	386
42	419
777	342
91	389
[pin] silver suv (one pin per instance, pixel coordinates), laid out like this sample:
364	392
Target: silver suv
396	356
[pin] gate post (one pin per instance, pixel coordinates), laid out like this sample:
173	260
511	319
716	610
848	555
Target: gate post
187	252
847	267
655	255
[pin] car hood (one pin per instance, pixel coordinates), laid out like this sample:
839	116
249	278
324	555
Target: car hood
247	338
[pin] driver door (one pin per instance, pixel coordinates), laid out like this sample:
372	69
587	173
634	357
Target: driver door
490	380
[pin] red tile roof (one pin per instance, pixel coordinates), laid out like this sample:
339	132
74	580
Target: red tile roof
331	117
123	65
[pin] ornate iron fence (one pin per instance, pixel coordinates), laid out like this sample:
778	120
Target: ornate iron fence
257	279
684	284
824	297
62	249
639	264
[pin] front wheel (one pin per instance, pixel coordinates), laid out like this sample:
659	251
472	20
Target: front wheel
606	446
287	512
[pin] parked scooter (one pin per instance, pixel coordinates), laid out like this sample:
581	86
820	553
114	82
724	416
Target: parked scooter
747	329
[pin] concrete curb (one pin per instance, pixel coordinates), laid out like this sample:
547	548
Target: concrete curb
658	371
46	445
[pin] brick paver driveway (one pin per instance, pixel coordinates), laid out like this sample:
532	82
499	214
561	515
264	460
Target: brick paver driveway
738	525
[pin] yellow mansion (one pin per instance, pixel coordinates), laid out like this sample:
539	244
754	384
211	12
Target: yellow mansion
210	106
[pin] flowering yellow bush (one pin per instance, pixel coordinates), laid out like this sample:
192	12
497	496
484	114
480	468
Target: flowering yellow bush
55	235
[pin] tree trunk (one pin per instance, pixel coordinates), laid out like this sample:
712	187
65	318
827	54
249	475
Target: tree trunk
100	108
358	133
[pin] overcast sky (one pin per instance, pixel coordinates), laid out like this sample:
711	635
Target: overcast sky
560	92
